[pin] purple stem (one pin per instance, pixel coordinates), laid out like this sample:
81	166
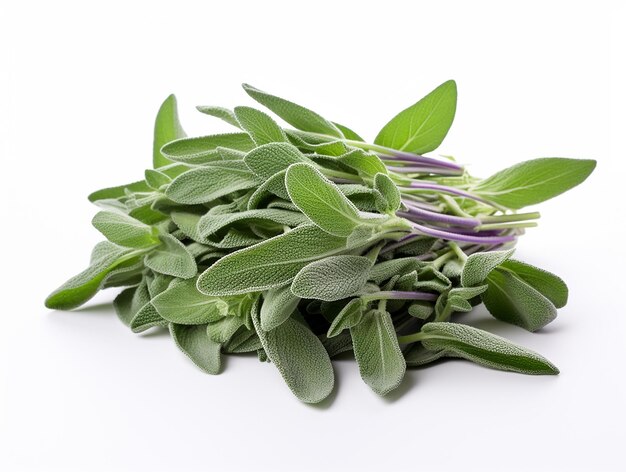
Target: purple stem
421	159
422	170
443	188
440	217
466	238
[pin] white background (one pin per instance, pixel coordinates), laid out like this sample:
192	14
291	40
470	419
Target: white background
80	84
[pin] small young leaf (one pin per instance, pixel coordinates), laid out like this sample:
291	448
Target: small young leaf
261	128
479	265
278	305
391	199
119	191
147	317
422	127
205	184
123	230
349	316
332	278
195	343
171	258
387	269
266	160
269	264
377	352
321	200
534	181
205	148
300	358
219	112
156	179
182	303
222	330
509	298
268	218
166	128
296	115
549	285
484	348
348	133
366	164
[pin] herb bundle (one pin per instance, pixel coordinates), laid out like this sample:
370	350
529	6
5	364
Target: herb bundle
302	243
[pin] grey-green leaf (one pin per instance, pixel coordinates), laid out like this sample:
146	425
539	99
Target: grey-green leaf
321	200
222	113
296	115
269	264
484	348
509	298
166	128
534	181
261	128
422	127
548	284
332	278
300	358
349	316
377	352
124	230
479	265
171	258
267	160
182	303
206	148
278	305
195	343
391	199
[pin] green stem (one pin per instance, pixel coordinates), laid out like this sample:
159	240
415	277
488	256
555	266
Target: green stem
521	224
511	218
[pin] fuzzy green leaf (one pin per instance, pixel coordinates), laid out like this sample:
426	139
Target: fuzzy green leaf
535	181
269	264
195	343
549	285
377	352
123	230
222	113
391	199
321	200
479	265
166	128
278	305
296	115
261	128
349	316
484	348
267	160
205	148
182	303
332	278
422	127
171	258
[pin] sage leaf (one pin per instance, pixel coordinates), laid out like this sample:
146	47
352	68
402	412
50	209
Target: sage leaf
167	128
222	113
422	127
268	159
156	179
266	218
549	285
278	305
509	298
300	358
332	278
479	265
171	258
269	264
147	317
349	316
206	148
417	355
182	303
261	128
390	200
195	343
377	352
484	348
321	200
123	230
296	115
222	330
534	181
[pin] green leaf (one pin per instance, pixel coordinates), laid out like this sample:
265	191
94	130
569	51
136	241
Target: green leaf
422	127
300	358
195	343
119	191
332	278
268	218
377	352
278	305
123	305
156	179
348	133
147	317
534	181
272	263
387	269
219	112
417	355
349	316
549	285
166	128
484	348
321	200
171	258
296	115
205	148
261	128
509	298
205	184
267	160
479	265
366	164
222	330
182	303
391	199
80	288
123	230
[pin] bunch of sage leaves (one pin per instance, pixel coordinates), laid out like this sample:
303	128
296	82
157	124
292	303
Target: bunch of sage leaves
303	243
